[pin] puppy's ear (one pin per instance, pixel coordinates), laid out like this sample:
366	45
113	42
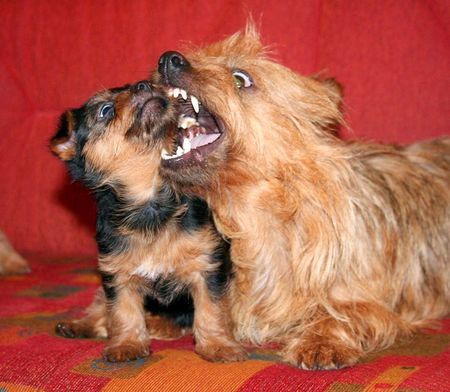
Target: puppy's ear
63	143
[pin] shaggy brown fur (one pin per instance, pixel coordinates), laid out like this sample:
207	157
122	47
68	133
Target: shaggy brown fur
10	261
339	248
153	245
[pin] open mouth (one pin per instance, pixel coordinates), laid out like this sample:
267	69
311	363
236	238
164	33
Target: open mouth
199	132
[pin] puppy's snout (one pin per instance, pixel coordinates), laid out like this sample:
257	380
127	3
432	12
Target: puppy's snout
172	64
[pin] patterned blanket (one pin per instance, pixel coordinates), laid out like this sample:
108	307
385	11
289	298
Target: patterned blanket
33	358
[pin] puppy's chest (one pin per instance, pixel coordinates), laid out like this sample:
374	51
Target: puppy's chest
159	258
158	240
151	269
158	265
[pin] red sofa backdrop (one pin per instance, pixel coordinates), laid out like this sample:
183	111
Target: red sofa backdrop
392	57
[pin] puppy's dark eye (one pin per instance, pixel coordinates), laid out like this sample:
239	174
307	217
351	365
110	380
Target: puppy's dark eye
106	111
242	79
143	86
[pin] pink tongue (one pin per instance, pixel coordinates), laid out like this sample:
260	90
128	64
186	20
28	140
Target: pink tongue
202	140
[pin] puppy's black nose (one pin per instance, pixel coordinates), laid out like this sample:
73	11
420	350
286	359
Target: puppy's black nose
172	64
143	85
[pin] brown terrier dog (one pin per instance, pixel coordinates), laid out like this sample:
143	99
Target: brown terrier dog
339	248
158	251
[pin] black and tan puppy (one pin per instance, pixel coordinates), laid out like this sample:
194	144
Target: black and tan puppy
160	256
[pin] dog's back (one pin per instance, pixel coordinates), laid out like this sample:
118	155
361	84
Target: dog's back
408	190
432	155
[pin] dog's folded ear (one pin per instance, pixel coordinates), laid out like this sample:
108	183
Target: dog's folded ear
63	143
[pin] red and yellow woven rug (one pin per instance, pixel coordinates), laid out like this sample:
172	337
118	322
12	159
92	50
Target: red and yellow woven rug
33	358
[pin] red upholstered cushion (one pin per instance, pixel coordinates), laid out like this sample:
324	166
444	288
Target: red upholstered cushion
392	57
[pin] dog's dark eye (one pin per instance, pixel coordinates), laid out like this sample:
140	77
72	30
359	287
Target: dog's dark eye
242	79
106	111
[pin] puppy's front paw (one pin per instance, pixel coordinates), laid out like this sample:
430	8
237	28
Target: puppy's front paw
222	353
126	352
323	356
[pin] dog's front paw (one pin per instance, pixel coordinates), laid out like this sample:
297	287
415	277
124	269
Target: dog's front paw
126	352
323	356
222	353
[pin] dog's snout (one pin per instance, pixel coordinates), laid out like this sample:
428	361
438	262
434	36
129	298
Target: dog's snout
143	85
171	64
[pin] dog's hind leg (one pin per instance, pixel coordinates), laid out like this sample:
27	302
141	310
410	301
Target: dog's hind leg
162	328
92	325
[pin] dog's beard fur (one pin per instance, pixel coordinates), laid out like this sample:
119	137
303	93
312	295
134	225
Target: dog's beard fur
339	247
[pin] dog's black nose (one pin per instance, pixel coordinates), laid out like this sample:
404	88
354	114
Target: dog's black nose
171	64
143	85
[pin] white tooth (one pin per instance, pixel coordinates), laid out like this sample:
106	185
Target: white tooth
186	145
183	94
190	122
165	154
186	122
179	151
181	121
176	92
170	92
194	102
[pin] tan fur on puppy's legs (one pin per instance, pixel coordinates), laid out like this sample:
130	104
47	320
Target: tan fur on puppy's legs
10	261
128	334
93	325
212	327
